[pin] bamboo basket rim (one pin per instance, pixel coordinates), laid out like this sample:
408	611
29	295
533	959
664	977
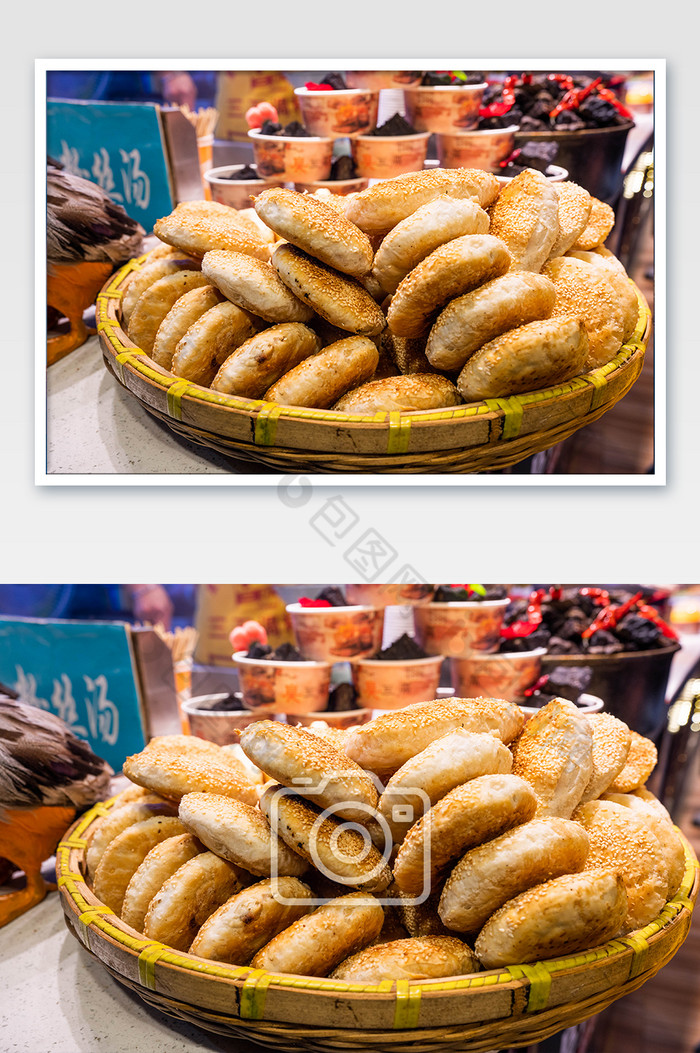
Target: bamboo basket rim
532	980
391	430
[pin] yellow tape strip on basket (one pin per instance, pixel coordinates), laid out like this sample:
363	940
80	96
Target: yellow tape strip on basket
68	879
74	842
147	964
266	424
101	808
399	433
102	318
174	398
122	355
644	316
640	945
539	977
113	289
512	410
598	379
479	980
89	917
92	913
254	994
407	1008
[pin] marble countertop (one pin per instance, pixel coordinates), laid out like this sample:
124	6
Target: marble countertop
95	426
57	998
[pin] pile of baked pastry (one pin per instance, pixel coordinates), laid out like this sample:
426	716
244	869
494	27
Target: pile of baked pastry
437	840
418	293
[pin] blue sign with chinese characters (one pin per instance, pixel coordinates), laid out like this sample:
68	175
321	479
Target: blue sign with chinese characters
84	673
119	146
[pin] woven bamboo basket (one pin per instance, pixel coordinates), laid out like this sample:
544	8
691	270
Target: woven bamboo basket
476	437
515	1006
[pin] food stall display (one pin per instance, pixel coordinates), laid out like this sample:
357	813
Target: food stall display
347	303
468	868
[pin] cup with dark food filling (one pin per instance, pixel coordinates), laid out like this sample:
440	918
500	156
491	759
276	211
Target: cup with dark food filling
290	153
461	620
507	675
344	711
237	185
392	149
396	676
221	716
282	679
330	108
480	148
392	79
344	179
445	102
328	629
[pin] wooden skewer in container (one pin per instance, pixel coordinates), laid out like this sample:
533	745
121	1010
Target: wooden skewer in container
182	642
203	122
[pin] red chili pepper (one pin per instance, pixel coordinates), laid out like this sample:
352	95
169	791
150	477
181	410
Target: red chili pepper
599	596
569	101
532	620
537	686
652	615
510	160
562	78
609	617
306	602
495	109
311	86
574	97
612	98
502	105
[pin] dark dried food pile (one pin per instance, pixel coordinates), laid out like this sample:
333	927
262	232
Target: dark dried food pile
331	596
588	620
395	125
405	647
553	102
469	593
453	78
343	167
286	652
293	129
561	682
247	172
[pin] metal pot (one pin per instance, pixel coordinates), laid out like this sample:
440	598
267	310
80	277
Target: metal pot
632	684
592	156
